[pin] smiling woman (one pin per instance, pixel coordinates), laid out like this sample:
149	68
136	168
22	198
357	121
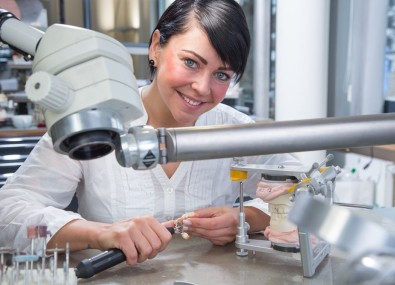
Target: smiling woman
197	48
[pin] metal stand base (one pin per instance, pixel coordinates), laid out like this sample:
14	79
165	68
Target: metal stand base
310	255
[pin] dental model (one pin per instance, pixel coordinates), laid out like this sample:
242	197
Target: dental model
280	230
179	226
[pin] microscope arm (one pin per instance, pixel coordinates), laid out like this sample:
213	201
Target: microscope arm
197	143
279	137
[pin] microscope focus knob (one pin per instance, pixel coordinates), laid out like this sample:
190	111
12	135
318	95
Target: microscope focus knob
48	91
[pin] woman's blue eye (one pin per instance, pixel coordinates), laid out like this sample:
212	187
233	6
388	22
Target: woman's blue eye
222	76
191	63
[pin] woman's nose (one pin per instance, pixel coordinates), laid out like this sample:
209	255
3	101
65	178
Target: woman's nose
202	85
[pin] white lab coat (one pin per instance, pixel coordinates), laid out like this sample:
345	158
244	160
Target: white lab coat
107	192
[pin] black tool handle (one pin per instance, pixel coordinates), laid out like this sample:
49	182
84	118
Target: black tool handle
91	266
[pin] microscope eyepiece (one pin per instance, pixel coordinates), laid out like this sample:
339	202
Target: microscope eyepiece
5	15
22	38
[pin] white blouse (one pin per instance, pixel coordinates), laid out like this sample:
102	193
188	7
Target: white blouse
107	192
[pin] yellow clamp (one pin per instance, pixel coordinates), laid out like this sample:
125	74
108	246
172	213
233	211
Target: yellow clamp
293	187
323	169
237	175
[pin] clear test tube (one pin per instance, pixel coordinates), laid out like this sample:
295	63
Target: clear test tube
32	234
17	267
42	234
54	260
42	231
2	262
6	256
66	264
51	269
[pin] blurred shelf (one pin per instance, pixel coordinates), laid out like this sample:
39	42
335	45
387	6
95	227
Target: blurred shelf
20	65
9	132
18	97
384	152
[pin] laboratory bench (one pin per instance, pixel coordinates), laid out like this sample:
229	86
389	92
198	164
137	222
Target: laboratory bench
197	261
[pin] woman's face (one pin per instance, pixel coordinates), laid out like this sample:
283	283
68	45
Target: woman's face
190	76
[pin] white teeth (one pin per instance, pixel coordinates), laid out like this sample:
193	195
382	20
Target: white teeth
191	102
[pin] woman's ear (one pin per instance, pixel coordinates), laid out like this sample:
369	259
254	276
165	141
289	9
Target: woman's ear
155	46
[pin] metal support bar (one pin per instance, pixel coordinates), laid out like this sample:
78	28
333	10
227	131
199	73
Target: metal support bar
199	143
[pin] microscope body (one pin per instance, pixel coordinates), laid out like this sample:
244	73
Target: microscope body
96	70
84	81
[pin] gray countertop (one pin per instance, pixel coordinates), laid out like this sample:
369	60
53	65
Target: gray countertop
197	261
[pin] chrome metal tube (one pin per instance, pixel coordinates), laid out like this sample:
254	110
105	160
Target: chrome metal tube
199	143
87	14
261	63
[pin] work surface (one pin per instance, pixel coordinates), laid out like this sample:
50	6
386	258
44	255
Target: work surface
197	261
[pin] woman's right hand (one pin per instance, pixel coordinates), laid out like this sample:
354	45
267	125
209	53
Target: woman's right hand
139	238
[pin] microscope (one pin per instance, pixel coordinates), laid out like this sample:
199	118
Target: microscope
316	181
83	80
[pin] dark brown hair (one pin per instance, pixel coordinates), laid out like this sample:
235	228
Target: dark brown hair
223	21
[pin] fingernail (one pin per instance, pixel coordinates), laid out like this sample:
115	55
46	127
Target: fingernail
186	222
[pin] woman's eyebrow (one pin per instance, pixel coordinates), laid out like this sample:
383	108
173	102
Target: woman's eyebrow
204	61
197	55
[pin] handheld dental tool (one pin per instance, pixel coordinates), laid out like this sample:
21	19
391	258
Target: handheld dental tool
98	263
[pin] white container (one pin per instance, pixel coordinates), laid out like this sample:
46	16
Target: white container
22	121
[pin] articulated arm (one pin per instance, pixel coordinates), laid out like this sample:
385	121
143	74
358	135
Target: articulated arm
197	143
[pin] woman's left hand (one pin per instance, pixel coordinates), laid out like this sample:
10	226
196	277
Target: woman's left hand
217	224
